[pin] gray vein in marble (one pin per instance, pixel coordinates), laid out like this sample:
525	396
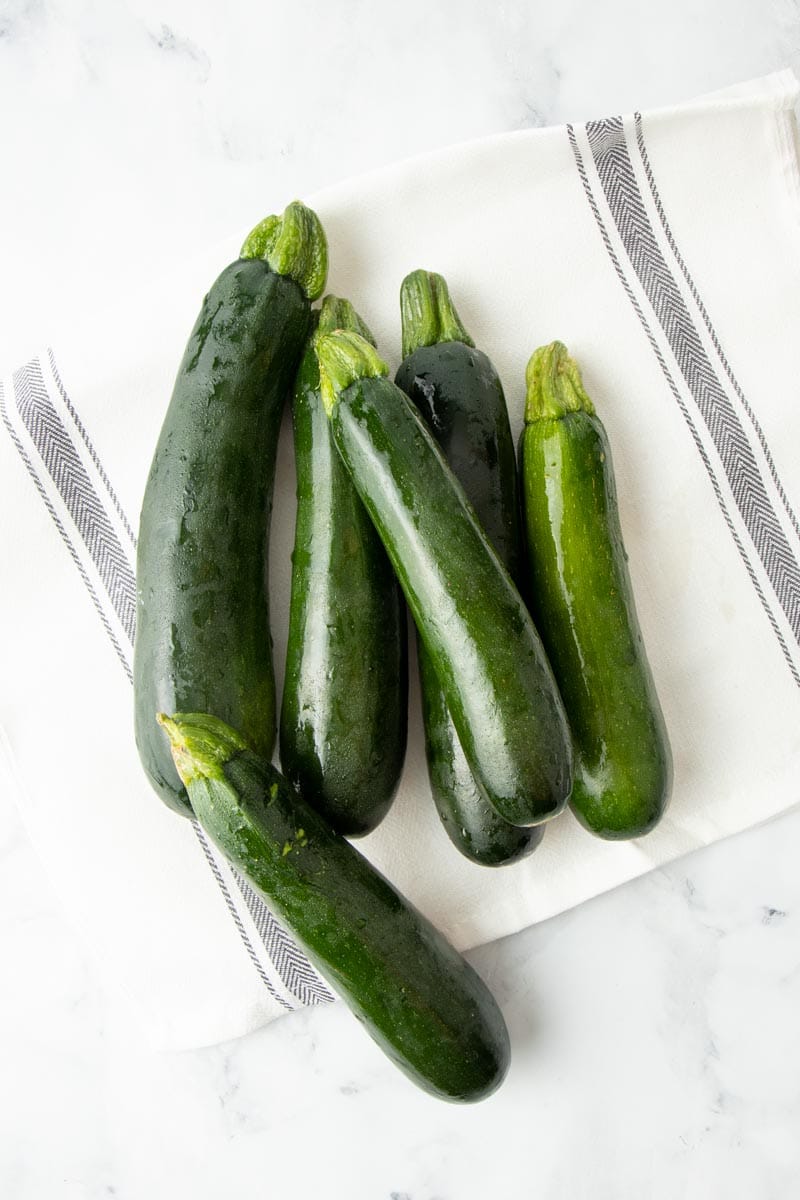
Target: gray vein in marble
18	16
175	44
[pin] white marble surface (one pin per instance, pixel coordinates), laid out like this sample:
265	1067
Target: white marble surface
655	1030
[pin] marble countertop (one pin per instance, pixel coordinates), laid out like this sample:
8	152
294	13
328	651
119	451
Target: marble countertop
655	1030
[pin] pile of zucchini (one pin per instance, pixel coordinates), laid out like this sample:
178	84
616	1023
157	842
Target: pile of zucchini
536	691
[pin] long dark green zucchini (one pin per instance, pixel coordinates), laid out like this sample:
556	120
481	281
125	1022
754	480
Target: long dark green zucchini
477	631
202	633
345	695
459	394
417	997
584	608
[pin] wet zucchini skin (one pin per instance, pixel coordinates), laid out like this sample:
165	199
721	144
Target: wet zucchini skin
202	637
475	627
417	997
459	395
345	698
584	608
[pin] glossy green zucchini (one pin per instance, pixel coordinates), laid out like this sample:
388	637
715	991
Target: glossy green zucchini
202	634
584	608
459	395
417	997
345	695
476	629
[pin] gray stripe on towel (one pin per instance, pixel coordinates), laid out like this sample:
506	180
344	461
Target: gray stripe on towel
63	463
616	173
701	450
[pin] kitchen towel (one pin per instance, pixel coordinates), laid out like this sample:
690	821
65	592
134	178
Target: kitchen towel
664	249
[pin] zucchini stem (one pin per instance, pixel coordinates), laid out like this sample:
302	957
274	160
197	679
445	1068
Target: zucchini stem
345	357
200	744
336	313
554	385
428	314
293	245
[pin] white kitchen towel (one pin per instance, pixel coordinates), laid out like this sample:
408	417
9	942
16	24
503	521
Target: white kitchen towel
664	249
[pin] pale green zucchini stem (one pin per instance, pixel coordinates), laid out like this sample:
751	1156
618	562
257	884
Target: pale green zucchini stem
294	245
554	385
200	744
345	357
428	314
336	313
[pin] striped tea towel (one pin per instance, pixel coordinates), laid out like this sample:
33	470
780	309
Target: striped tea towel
664	249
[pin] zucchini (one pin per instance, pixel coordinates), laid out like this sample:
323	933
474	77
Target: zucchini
496	679
345	697
584	607
417	997
459	395
202	632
